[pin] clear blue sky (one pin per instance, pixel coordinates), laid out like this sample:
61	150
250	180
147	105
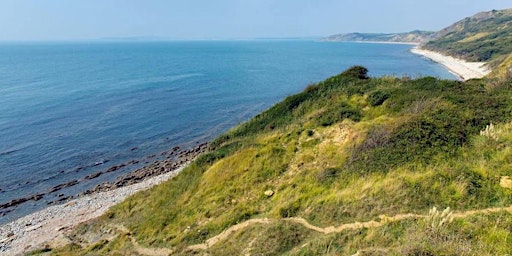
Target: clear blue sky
226	19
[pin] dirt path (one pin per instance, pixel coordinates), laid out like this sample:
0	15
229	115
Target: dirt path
328	230
210	242
143	250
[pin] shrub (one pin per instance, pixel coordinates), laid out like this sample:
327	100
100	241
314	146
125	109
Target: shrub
358	72
327	175
290	210
376	98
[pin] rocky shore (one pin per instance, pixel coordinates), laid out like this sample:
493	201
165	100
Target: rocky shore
172	159
49	226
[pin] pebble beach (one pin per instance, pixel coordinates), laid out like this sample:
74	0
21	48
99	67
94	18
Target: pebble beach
50	225
464	69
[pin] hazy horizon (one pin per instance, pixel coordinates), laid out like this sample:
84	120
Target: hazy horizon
59	20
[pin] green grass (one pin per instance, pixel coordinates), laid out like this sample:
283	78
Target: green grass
481	40
477	39
347	149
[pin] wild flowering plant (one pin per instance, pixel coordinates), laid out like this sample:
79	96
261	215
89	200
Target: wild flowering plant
491	132
438	218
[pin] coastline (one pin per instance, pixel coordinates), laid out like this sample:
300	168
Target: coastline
463	69
386	42
371	42
50	225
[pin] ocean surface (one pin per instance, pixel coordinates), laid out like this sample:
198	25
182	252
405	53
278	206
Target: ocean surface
71	109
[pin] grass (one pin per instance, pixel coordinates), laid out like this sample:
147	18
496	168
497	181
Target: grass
481	40
347	149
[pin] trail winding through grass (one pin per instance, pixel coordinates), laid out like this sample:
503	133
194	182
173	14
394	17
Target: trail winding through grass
328	230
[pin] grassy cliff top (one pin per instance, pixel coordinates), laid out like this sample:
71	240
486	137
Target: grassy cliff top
351	164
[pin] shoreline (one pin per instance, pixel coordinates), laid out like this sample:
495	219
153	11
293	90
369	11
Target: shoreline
463	69
371	42
386	42
50	225
162	162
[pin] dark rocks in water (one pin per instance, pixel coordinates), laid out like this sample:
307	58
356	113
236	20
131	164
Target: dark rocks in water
65	198
5	212
96	164
93	176
37	197
132	162
14	202
150	170
64	185
115	168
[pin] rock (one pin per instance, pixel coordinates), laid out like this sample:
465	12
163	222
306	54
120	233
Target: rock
37	197
269	193
506	182
61	228
96	164
113	168
93	176
64	185
70	204
133	162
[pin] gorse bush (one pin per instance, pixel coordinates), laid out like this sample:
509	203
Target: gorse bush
358	72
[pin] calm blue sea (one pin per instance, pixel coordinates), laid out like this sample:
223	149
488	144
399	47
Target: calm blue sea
70	105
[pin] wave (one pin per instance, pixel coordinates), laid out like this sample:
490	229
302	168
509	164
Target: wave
8	152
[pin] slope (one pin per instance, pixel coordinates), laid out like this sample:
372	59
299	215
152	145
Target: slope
416	36
484	37
349	149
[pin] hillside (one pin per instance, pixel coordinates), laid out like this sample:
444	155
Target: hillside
409	37
484	37
350	165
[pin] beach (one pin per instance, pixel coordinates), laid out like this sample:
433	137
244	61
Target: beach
49	226
463	69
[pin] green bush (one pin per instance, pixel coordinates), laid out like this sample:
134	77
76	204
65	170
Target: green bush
358	72
376	98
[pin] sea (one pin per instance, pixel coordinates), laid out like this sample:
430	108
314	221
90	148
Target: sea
70	109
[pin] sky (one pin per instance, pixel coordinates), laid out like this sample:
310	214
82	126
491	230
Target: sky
42	20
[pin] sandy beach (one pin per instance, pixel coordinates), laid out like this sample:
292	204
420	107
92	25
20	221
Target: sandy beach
463	69
50	225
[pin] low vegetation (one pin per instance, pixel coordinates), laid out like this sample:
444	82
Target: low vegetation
348	149
416	36
484	37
